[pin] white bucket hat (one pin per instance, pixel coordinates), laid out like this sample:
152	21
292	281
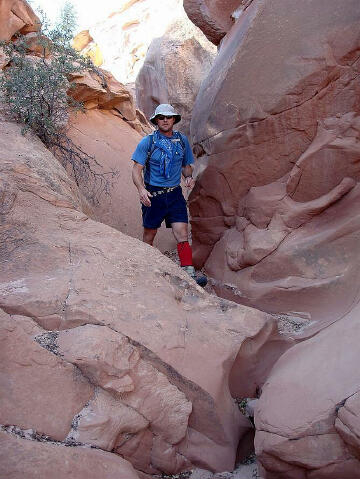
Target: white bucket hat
166	110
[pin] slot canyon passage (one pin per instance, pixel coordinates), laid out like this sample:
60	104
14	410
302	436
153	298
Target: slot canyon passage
114	363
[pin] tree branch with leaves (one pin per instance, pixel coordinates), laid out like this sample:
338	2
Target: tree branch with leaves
35	89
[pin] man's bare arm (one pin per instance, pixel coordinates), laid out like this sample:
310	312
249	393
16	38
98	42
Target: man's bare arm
137	177
187	172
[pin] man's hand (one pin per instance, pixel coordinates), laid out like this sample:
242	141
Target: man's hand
145	197
137	177
189	182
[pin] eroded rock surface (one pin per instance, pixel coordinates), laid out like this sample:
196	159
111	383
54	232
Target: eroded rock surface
153	352
17	16
98	89
275	217
292	246
322	439
277	138
21	458
213	17
36	379
174	68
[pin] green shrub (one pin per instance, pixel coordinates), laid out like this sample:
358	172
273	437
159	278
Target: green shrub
35	90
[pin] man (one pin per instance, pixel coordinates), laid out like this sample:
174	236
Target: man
159	161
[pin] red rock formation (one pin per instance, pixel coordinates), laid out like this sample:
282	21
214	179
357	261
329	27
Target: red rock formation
275	235
20	458
31	369
153	351
213	17
318	380
281	92
99	89
275	217
83	42
16	16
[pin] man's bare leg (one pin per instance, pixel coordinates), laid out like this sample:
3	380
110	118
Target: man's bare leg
180	231
149	236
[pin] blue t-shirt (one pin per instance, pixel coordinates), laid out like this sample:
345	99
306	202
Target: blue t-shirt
168	157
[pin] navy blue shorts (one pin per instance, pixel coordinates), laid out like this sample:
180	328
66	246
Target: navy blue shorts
170	207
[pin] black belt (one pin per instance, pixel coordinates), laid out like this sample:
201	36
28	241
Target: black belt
163	189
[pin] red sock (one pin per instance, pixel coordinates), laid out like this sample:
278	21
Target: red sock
185	253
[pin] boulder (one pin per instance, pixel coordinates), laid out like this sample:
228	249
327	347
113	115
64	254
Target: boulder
317	379
81	40
156	348
31	378
34	459
272	234
17	16
173	70
99	89
213	17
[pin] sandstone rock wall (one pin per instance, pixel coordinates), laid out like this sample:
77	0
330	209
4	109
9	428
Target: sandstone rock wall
275	216
156	45
274	127
16	16
214	17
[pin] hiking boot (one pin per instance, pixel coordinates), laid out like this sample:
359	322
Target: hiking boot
200	278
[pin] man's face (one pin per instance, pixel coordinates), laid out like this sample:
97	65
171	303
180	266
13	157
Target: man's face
165	123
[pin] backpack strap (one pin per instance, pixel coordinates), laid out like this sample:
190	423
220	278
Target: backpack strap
151	147
180	136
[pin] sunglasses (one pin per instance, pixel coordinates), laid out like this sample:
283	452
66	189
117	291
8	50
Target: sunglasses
162	117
